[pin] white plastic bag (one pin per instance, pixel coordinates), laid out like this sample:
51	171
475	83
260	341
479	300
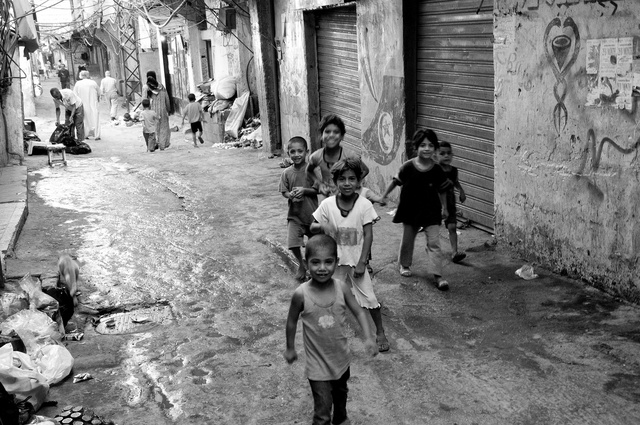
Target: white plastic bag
236	116
224	88
37	299
54	362
526	272
34	327
19	376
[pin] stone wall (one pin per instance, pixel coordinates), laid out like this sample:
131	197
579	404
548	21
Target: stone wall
380	56
567	176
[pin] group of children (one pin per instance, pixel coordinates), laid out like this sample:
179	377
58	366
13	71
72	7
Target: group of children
193	112
337	257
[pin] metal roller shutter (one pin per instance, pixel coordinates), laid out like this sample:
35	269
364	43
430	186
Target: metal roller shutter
338	81
455	93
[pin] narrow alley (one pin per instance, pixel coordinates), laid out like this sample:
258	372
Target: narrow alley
186	237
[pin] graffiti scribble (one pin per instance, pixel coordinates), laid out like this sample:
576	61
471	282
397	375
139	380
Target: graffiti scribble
562	51
596	151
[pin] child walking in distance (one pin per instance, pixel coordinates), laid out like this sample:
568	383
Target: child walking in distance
321	303
348	218
332	131
446	155
302	198
149	125
195	114
423	203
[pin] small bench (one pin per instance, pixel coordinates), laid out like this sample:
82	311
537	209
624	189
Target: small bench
36	144
54	150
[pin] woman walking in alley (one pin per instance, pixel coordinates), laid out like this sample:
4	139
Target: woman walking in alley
160	103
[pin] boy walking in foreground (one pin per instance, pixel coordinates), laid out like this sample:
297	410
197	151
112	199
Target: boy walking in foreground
149	125
195	114
321	303
296	186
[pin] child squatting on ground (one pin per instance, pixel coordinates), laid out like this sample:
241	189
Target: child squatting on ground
321	303
149	125
348	218
445	154
332	131
423	203
195	114
297	187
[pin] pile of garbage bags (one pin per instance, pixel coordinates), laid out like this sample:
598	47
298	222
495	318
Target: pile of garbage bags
32	357
63	134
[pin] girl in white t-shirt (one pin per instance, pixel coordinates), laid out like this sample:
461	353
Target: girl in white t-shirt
348	218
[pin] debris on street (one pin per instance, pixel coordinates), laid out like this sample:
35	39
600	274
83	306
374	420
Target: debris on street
526	272
82	377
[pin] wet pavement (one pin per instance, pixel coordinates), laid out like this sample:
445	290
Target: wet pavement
173	245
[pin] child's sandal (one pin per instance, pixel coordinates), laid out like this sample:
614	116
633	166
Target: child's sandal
458	256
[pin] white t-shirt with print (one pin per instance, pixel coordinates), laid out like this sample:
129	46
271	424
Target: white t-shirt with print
347	231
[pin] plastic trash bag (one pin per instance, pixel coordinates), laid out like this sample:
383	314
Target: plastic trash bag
38	300
236	116
62	134
34	327
20	377
54	362
12	303
224	88
526	272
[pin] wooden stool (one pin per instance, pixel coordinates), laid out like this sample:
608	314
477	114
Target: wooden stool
55	149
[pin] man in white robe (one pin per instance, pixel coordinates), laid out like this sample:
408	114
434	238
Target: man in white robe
89	92
109	88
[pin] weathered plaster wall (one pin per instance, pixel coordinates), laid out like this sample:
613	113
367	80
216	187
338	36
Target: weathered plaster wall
565	195
380	53
230	56
11	136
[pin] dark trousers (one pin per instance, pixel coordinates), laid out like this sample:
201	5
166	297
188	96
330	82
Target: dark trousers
76	121
327	394
150	140
64	84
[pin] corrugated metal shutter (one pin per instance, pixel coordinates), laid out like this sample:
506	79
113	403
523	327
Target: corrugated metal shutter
338	81
455	93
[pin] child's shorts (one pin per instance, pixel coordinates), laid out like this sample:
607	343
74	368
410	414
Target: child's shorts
361	287
296	233
196	126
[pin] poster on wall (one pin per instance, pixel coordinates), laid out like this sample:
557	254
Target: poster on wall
610	73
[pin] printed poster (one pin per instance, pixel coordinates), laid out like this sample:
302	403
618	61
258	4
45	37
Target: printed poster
593	56
608	57
624	56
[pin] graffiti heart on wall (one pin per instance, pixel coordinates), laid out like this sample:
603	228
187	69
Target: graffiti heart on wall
561	46
596	154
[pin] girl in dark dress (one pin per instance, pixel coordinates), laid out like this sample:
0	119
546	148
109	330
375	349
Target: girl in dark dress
422	203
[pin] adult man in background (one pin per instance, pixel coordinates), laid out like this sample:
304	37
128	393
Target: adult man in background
63	74
109	88
89	93
74	111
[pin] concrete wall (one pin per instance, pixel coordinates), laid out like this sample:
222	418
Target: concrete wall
380	53
567	176
11	148
230	56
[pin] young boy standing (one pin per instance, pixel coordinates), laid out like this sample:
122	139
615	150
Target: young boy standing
321	303
195	114
149	125
296	186
445	156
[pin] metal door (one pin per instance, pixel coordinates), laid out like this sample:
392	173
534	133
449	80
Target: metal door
338	80
455	93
